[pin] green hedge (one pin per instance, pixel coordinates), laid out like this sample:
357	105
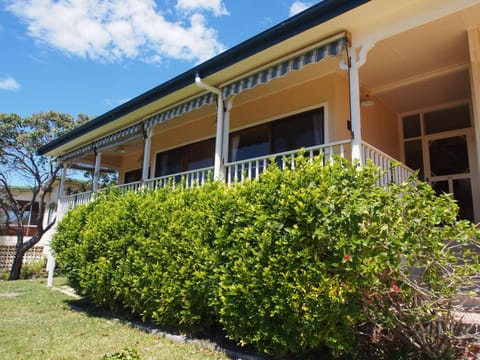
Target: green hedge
285	285
286	264
149	253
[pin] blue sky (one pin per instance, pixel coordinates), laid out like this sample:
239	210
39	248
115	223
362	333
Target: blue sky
89	56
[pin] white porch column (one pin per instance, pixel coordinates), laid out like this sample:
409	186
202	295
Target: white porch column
50	258
357	56
474	50
226	130
61	188
355	119
96	173
50	268
218	165
147	147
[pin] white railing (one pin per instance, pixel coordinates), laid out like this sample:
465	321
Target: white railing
130	187
239	171
68	202
394	172
185	179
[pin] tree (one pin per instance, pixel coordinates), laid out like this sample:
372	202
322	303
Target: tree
20	137
106	178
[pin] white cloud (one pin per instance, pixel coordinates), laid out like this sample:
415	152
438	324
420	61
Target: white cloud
216	6
115	102
112	30
298	6
9	83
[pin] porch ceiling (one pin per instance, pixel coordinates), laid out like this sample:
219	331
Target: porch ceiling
424	66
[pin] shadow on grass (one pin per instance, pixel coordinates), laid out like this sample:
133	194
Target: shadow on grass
214	339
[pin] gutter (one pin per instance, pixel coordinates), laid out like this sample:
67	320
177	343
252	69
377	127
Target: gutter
301	22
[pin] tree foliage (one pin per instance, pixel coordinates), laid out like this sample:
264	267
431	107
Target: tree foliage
20	137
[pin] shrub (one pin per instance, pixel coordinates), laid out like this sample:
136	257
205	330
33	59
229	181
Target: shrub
297	260
168	270
150	256
439	263
34	269
313	253
290	263
67	244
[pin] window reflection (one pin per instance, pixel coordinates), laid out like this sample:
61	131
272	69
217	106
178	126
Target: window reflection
414	156
250	143
190	157
449	156
287	134
411	126
200	155
447	119
462	190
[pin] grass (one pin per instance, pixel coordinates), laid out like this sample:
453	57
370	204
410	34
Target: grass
38	323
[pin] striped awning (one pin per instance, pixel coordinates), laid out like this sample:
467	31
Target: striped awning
77	153
283	68
196	103
131	132
263	76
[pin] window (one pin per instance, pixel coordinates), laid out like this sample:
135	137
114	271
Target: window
447	119
414	156
29	216
168	162
303	130
294	132
250	143
447	155
436	143
190	157
199	155
33	214
411	126
133	176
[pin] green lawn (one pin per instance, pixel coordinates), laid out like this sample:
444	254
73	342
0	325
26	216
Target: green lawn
37	323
